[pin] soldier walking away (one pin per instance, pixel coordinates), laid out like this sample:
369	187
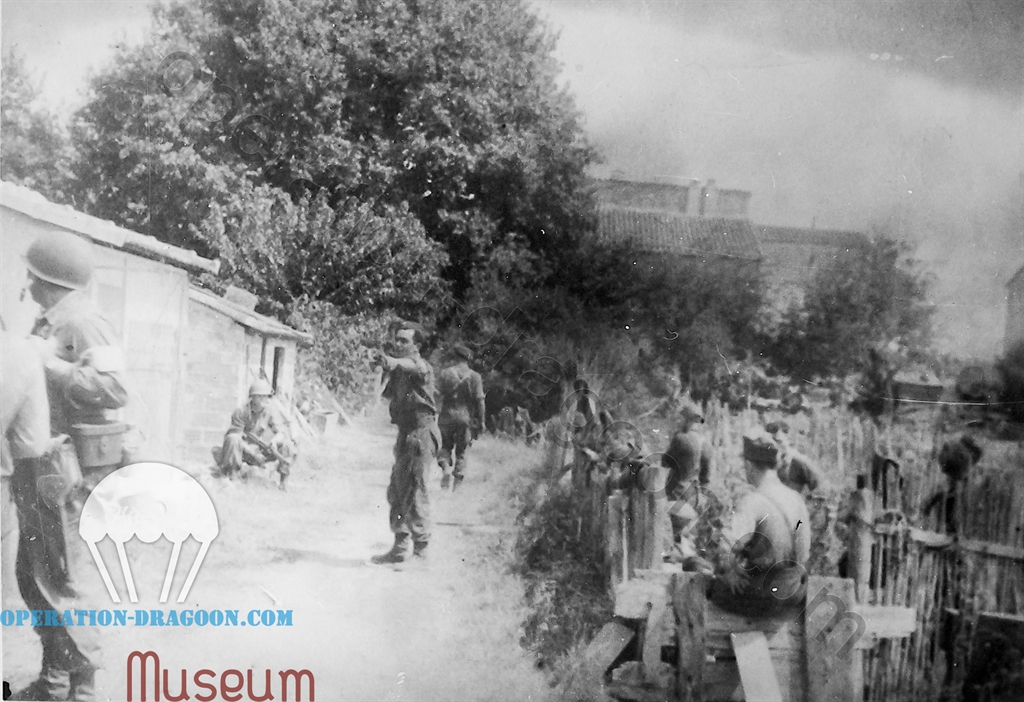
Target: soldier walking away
770	539
460	392
688	461
410	391
257	436
84	369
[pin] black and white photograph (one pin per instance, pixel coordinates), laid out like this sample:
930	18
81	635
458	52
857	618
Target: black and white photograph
486	350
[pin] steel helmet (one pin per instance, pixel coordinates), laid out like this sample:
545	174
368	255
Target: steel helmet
61	258
260	387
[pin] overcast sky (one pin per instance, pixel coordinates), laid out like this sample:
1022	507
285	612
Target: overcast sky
836	113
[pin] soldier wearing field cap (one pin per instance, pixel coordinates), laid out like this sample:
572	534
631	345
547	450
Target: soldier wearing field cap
258	435
769	539
460	391
85	382
795	469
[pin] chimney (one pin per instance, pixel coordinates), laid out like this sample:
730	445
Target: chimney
709	199
242	298
693	198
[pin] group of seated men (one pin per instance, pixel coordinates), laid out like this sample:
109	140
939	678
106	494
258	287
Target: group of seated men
758	561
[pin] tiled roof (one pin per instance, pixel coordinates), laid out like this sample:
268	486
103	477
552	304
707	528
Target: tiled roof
247	318
810	237
101	231
663	232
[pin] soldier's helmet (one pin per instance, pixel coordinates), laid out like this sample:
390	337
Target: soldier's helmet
688	409
61	258
260	387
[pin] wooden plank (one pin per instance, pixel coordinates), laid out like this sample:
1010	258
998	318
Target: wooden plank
756	669
993	549
608	645
834	665
689	602
634	599
885	623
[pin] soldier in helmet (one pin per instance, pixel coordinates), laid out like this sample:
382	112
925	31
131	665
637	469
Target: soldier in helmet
796	470
257	436
460	391
688	461
85	382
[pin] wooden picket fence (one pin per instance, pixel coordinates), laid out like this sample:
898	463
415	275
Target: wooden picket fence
949	579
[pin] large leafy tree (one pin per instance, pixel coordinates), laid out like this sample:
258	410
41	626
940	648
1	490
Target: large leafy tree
34	150
874	299
439	119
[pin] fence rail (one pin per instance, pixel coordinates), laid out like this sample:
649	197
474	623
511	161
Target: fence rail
949	579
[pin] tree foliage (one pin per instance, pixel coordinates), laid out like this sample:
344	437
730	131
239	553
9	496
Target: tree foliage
442	117
34	150
873	299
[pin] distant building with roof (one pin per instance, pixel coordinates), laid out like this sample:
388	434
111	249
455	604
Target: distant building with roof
666	221
191	354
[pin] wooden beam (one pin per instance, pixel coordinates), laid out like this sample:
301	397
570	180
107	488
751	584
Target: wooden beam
690	602
608	645
756	669
884	623
834	664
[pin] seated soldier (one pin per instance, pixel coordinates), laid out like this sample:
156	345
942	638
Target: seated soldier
769	537
257	436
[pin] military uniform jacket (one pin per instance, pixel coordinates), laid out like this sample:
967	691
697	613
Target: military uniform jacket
94	384
460	392
411	395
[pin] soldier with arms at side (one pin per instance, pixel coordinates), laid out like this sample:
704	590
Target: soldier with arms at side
460	391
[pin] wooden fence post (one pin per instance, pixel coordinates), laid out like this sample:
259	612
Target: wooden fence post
690	602
861	537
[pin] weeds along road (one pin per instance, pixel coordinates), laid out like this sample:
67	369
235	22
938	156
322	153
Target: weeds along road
447	629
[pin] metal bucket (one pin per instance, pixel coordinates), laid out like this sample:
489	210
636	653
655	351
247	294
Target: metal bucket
98	444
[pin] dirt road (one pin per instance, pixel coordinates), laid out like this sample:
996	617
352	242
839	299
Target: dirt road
447	629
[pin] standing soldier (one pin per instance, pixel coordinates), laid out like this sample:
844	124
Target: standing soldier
84	368
461	397
410	390
688	460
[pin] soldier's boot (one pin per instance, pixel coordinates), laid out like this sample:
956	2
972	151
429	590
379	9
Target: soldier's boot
52	684
419	549
398	552
460	467
83	685
446	481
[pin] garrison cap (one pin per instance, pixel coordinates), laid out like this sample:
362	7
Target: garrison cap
760	448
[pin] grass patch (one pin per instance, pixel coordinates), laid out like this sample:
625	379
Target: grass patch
565	585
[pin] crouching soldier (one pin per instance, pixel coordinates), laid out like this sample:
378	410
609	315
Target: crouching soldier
461	399
410	390
257	436
769	537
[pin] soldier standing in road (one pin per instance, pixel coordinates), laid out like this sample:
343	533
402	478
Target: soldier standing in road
84	368
257	435
410	390
461	398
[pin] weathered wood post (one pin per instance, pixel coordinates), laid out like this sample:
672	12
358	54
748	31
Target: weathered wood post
616	555
860	539
689	602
